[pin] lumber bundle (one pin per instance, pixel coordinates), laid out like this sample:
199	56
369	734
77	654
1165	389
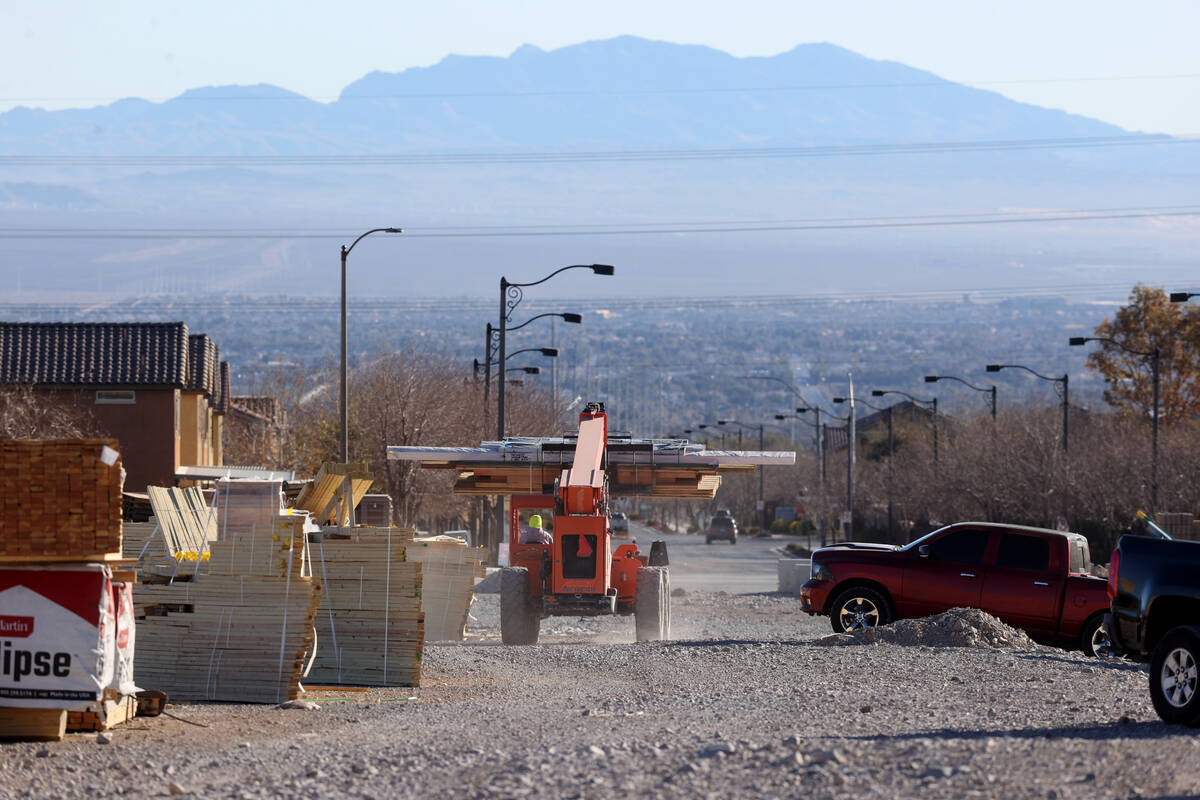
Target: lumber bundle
449	569
270	550
61	499
242	505
335	492
370	624
239	631
231	638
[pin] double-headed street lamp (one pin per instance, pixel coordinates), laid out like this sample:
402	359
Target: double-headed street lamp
344	390
1065	380
511	295
987	389
1154	356
762	505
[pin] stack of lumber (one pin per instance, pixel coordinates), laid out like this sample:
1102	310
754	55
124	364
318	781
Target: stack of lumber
241	629
60	511
61	499
231	638
449	569
335	492
242	505
370	627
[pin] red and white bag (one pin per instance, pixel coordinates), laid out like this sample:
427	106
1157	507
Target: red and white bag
58	636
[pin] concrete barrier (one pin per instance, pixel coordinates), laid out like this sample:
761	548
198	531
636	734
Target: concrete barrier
793	572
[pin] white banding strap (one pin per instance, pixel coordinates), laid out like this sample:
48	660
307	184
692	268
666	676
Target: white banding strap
287	592
387	600
214	658
337	654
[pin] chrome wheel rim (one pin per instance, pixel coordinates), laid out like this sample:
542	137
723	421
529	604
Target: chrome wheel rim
1101	644
858	613
1178	677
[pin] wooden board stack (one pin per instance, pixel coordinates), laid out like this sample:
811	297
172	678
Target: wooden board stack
448	572
231	638
241	629
61	499
60	508
370	626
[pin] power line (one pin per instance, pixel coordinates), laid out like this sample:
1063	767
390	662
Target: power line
289	96
597	156
814	224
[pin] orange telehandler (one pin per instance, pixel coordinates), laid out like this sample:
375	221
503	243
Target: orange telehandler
576	572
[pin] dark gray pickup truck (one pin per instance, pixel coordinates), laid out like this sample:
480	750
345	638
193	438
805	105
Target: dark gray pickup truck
1154	585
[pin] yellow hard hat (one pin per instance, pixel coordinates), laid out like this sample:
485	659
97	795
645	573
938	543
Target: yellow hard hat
535	521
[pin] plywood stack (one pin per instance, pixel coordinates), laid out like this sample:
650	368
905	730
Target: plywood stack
335	492
449	569
61	500
370	626
241	629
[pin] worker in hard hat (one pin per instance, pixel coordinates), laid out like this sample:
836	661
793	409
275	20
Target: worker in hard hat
533	532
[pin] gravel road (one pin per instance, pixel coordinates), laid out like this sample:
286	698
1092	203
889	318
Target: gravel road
748	700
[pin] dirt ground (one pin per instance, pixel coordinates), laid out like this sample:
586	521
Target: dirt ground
745	701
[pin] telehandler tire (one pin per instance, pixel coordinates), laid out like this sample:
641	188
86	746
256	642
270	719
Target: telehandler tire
652	606
519	623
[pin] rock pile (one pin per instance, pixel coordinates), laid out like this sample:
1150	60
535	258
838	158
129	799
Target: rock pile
958	627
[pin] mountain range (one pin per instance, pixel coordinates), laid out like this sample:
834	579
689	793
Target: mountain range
606	133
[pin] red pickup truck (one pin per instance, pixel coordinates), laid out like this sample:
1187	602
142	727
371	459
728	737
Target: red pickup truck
1035	579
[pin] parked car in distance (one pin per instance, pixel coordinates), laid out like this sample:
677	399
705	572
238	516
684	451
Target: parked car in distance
1154	584
618	523
721	527
1034	579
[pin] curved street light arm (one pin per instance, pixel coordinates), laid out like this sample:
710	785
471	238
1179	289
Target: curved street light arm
1115	343
963	382
541	350
512	328
916	400
599	269
1034	372
347	250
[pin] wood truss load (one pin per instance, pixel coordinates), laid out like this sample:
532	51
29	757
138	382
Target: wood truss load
61	499
667	468
184	519
335	492
448	572
370	625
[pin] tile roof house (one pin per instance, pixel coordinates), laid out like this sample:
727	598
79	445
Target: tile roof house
151	385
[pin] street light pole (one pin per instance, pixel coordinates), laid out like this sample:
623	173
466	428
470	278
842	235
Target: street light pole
762	504
511	295
933	404
343	389
990	390
1065	380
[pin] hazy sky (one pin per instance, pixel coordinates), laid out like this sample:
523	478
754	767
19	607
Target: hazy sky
1133	64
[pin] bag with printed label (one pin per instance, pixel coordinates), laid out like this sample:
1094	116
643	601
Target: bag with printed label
58	635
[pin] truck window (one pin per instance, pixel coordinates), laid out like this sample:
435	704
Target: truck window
1024	552
960	547
1080	563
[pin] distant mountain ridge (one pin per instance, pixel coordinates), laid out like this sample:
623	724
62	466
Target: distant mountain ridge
622	92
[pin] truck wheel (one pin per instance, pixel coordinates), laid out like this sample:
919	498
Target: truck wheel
652	606
518	622
1173	686
1094	641
858	608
